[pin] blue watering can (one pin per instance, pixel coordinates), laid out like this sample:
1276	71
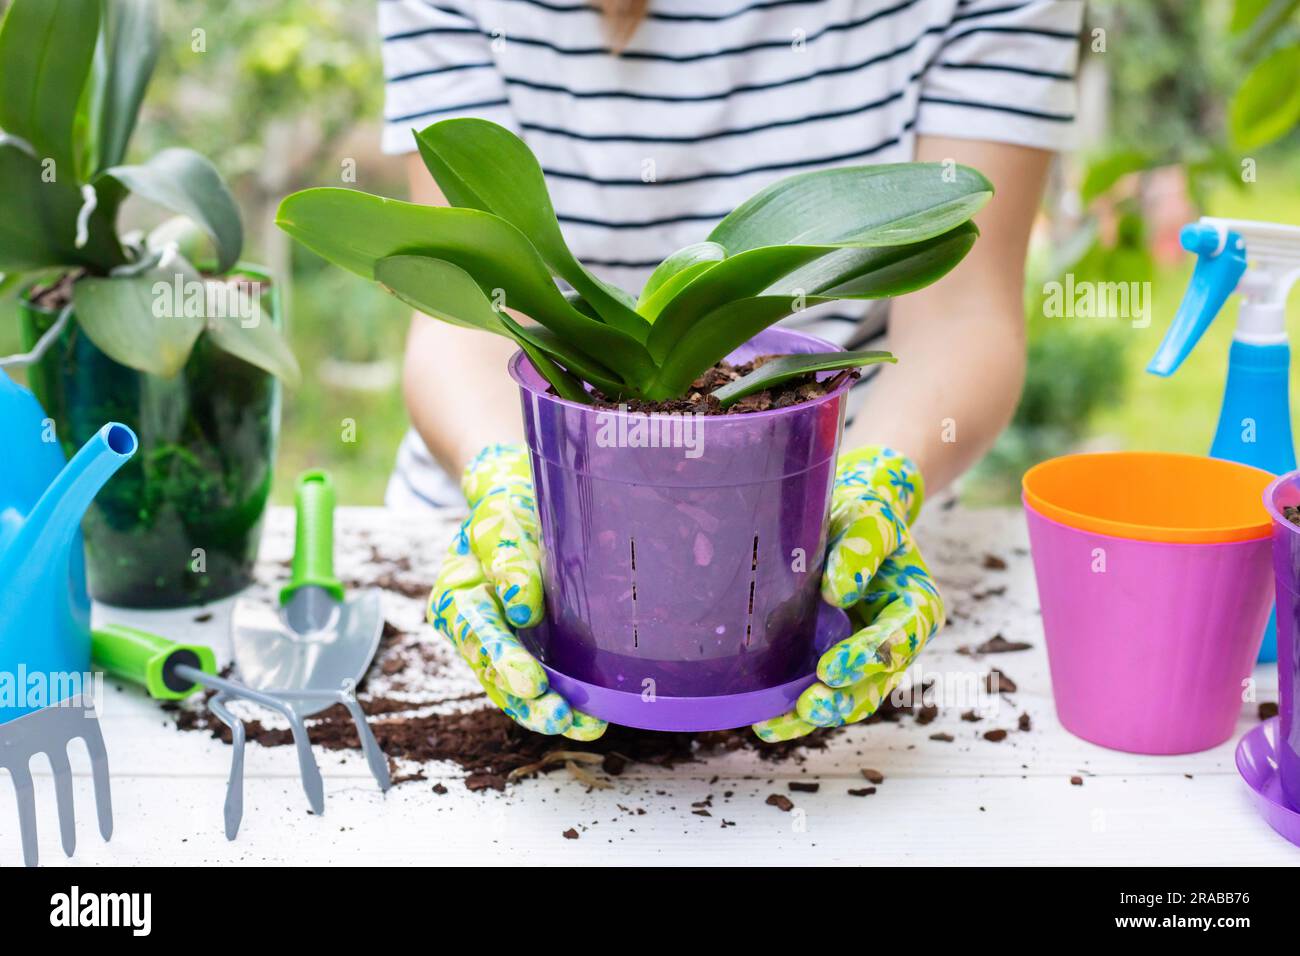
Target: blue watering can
44	606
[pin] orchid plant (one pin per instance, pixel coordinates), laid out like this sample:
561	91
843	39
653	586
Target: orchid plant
856	232
73	74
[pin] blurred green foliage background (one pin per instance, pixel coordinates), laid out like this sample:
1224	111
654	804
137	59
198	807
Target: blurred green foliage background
1190	108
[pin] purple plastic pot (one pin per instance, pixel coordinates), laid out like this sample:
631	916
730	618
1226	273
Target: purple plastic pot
1283	492
682	580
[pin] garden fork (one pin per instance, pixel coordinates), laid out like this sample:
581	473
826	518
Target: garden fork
48	731
171	671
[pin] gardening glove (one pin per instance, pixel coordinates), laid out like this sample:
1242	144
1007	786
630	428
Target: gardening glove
875	573
490	584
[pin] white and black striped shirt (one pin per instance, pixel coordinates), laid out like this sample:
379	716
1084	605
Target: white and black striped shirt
711	100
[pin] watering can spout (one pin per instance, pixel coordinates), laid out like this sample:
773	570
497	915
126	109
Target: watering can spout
49	527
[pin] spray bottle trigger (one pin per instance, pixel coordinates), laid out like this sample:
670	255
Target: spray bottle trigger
1220	264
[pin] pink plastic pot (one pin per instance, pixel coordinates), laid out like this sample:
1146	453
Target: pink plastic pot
1154	578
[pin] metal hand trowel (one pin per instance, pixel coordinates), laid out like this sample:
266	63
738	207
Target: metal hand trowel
316	639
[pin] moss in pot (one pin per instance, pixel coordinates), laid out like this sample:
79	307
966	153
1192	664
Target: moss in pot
166	331
662	565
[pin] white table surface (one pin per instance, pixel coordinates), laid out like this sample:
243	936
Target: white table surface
971	801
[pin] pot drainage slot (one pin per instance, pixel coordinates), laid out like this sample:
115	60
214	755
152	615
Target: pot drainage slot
753	580
635	642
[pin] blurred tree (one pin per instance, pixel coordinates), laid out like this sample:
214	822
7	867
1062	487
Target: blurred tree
278	94
1193	89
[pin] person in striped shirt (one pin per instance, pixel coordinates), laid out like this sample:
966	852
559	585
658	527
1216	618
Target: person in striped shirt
653	120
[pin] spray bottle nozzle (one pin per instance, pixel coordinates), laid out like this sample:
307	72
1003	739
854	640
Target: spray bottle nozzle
1220	263
1202	239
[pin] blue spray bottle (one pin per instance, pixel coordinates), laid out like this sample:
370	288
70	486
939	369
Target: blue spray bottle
1261	260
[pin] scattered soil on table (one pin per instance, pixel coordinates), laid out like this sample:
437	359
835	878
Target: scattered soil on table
997	644
394	574
996	682
419	714
995	736
700	401
862	792
1025	724
496	752
780	801
1267	709
1076	781
993	563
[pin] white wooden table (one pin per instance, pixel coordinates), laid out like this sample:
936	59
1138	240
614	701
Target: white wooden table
970	801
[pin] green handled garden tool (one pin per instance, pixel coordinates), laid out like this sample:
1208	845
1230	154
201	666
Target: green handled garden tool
172	671
317	639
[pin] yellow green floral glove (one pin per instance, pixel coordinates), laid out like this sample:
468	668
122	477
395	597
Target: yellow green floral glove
492	576
874	571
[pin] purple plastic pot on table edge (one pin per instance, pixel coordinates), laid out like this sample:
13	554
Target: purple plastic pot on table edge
1283	492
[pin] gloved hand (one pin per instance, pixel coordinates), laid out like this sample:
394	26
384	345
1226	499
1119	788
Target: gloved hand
491	575
874	571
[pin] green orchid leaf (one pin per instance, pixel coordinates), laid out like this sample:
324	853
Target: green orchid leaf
189	238
38	220
684	259
12	282
883	273
441	290
46	48
724	330
356	230
184	182
886	205
132	322
833	213
565	385
581	304
878	272
737	277
1267	105
480	165
255	339
778	370
445	291
127	54
581	365
652	306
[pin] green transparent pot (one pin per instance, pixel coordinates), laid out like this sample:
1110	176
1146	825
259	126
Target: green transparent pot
180	523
